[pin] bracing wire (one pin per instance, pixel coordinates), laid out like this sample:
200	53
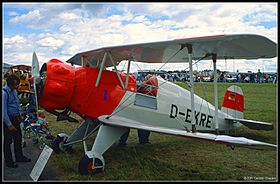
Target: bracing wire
143	81
179	120
169	59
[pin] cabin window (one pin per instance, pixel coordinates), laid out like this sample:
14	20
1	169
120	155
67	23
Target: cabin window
143	100
147	92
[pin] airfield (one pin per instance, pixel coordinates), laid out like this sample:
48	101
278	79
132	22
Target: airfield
174	158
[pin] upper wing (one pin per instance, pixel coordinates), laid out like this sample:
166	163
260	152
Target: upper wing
228	140
256	125
242	46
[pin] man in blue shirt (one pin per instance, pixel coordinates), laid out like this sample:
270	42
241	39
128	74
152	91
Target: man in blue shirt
12	120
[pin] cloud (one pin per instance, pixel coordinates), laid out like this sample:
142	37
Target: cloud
50	42
68	16
25	18
12	13
14	40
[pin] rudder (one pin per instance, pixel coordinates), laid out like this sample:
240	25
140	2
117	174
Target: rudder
233	103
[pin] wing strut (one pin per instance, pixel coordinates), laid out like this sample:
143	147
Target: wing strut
112	60
101	68
127	74
189	47
214	57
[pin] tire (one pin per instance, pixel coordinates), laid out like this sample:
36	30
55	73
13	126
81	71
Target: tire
85	166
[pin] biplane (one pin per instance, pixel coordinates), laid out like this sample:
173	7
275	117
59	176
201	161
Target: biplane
110	102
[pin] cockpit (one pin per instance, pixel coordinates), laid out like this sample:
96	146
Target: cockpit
149	86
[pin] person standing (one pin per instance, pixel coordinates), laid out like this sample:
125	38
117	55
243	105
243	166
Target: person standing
239	77
275	79
143	137
259	76
12	120
123	138
252	77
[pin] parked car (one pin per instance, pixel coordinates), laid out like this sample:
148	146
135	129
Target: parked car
207	79
231	78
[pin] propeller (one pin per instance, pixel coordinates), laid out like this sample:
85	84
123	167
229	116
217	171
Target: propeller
36	74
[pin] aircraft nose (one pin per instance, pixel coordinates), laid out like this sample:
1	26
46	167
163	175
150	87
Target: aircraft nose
56	84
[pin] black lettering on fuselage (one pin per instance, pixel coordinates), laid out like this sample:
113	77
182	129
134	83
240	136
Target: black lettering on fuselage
196	117
174	111
181	113
209	121
188	115
202	119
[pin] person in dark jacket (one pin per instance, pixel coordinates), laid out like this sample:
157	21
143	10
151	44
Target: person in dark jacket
12	120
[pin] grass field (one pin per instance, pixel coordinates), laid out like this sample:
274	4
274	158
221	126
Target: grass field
175	158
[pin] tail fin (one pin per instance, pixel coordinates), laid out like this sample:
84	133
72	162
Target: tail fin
233	103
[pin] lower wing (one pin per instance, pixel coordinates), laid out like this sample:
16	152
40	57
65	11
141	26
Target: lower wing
224	139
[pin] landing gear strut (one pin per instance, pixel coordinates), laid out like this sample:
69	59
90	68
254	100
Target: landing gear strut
58	143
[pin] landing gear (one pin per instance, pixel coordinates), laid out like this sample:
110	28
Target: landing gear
86	165
58	143
93	161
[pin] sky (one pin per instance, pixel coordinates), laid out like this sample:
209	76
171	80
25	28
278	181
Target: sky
61	30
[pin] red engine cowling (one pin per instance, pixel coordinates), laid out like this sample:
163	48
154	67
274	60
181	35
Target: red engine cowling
58	85
66	86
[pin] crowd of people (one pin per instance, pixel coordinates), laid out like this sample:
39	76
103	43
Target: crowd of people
259	77
250	77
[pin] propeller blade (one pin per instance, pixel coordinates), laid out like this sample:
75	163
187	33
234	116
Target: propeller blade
35	67
36	74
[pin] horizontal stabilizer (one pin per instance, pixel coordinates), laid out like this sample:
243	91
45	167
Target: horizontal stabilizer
224	139
256	125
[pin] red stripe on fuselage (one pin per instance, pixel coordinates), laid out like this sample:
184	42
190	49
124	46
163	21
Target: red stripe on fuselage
233	100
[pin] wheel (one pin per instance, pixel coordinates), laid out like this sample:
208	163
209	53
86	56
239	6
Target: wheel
85	165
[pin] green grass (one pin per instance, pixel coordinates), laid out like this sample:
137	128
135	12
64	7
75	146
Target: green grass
176	158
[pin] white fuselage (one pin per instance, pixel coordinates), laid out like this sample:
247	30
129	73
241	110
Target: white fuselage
171	108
